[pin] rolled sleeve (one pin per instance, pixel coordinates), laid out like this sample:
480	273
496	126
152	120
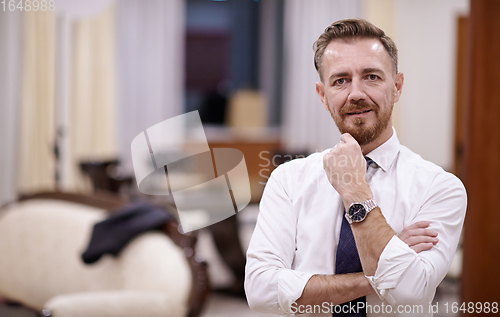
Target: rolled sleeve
290	287
393	263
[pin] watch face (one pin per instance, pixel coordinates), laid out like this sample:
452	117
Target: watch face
357	212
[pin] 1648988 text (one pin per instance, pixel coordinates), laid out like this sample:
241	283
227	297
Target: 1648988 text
28	5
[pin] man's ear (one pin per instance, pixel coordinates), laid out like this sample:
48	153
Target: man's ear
398	85
320	90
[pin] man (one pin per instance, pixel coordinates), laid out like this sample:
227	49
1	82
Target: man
367	223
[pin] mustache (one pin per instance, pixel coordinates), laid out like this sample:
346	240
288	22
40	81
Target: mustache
357	106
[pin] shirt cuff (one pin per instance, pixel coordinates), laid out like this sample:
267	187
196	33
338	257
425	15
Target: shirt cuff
393	262
290	287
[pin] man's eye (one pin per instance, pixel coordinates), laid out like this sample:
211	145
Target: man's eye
339	81
372	77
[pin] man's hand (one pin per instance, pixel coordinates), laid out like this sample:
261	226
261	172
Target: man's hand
345	167
417	237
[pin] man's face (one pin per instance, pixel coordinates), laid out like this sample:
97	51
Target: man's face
359	87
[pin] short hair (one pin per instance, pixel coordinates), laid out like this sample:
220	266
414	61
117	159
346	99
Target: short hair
349	29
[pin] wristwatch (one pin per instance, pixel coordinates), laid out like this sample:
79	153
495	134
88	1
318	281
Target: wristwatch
357	212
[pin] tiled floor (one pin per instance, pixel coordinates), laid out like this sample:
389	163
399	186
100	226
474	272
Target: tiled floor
222	306
15	312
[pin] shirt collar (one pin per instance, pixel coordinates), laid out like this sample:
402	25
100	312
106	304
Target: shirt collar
386	153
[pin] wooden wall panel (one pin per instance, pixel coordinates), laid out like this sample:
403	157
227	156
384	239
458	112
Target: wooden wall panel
481	273
258	159
461	82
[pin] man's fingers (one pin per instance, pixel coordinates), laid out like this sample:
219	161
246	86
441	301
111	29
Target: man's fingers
412	241
416	225
418	237
422	247
423	232
334	149
405	234
347	138
417	229
419	224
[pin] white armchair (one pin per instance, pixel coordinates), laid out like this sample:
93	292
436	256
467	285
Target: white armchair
41	242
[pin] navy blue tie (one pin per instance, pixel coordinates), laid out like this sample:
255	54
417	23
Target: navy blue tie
347	261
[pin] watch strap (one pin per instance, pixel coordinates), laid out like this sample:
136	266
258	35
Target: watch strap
369	205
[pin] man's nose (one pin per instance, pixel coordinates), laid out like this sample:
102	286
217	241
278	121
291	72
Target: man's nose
357	91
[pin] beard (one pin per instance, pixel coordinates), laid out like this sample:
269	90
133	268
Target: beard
362	132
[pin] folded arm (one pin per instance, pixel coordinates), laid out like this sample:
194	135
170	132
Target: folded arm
341	288
405	276
397	273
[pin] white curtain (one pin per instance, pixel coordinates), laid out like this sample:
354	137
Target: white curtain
151	66
36	163
86	87
10	68
92	132
306	124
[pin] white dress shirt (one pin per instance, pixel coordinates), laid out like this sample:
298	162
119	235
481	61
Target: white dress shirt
298	229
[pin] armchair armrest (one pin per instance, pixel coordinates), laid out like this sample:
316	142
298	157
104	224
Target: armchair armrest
125	303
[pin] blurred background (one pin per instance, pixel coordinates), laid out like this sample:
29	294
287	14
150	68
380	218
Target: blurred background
77	84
